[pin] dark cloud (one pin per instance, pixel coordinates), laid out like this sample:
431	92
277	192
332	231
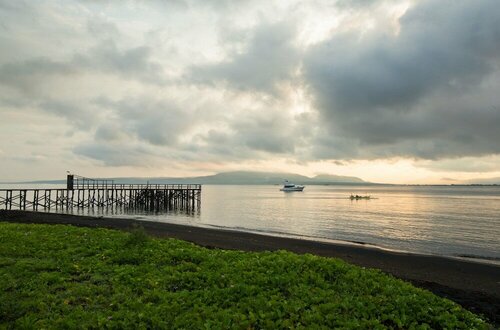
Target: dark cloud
30	76
41	83
133	63
77	114
170	126
268	132
116	154
110	132
425	92
251	135
269	58
158	122
81	116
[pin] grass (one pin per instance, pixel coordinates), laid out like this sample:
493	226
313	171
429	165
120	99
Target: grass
67	277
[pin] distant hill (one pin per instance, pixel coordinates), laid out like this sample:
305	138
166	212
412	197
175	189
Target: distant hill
248	177
238	177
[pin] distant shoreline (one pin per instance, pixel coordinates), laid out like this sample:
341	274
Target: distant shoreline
473	285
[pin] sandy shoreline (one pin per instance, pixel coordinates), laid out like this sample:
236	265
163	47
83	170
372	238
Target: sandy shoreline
475	286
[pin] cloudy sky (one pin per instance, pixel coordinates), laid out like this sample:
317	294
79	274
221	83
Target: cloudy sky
389	91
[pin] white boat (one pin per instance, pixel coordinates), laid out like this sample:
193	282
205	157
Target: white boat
288	186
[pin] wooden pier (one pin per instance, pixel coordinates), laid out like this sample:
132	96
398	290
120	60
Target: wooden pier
83	192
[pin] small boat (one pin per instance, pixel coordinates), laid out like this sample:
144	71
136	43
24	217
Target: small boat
288	186
356	197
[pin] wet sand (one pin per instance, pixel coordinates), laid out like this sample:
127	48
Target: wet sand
475	286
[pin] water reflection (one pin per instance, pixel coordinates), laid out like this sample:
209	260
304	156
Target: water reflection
439	220
134	212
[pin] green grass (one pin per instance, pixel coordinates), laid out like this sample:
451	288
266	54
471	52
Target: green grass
67	277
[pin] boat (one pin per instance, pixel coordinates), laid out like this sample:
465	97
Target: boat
288	186
356	197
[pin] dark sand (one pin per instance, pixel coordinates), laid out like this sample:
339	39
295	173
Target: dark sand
473	285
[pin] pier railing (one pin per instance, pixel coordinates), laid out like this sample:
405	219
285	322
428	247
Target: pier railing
92	185
79	182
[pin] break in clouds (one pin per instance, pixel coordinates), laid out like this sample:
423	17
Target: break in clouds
175	82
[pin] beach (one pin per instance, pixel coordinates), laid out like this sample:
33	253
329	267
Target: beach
475	286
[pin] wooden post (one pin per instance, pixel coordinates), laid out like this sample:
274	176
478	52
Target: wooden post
35	200
49	204
22	199
69	182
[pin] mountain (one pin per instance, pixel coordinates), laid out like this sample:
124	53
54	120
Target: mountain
238	177
249	177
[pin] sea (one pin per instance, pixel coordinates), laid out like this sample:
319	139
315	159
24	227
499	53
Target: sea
452	221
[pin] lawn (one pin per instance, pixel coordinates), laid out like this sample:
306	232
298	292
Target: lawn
56	276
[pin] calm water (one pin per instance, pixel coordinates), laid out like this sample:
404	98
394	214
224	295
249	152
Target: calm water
451	221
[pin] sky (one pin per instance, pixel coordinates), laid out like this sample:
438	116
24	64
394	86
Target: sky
399	91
